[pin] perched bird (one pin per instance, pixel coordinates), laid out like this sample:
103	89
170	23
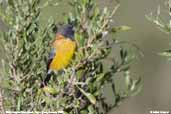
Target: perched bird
63	49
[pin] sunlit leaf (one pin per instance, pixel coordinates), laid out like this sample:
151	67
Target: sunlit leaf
90	97
49	90
166	53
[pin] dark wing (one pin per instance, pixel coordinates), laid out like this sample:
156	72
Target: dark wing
48	75
50	58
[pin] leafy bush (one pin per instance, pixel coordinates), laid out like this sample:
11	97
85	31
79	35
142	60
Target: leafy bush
79	88
163	21
162	18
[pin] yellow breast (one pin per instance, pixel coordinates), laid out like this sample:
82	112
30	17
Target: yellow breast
65	49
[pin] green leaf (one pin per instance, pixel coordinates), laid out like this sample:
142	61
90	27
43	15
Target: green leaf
18	103
137	90
128	80
84	112
120	28
166	53
90	97
50	90
91	110
124	28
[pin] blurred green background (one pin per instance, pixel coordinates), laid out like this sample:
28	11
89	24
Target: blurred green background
154	69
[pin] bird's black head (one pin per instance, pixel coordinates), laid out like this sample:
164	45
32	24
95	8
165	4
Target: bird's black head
67	31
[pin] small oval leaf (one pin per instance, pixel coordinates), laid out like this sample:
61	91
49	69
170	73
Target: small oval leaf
49	90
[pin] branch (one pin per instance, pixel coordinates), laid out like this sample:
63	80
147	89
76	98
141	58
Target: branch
2	111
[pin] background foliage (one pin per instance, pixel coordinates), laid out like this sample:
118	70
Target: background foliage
154	68
163	22
79	89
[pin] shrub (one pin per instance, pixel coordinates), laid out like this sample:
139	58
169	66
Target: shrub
79	88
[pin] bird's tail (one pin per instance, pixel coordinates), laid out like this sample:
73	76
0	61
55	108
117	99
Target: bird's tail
46	80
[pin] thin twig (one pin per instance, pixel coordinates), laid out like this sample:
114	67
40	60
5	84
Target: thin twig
91	39
114	10
2	110
70	85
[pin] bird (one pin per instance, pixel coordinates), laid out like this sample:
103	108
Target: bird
62	51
